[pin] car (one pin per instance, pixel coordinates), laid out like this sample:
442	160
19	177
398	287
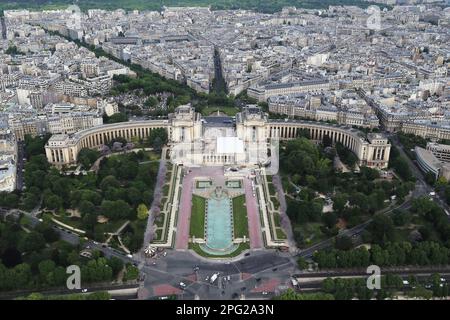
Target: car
228	278
405	282
84	290
182	285
164	254
196	268
207	278
247	254
129	256
264	292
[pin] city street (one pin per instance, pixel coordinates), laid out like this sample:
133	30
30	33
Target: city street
264	269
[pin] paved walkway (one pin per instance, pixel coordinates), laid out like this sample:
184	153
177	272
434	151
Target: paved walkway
285	221
254	226
157	196
184	215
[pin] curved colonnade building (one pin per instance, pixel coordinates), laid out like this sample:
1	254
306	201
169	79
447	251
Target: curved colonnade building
186	127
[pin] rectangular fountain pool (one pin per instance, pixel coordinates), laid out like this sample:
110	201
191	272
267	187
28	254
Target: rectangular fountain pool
219	226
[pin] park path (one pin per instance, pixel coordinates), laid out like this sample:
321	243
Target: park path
285	221
157	196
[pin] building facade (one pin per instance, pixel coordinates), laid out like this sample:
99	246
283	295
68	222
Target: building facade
205	141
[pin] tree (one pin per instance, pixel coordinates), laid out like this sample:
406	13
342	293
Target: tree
401	166
46	267
329	219
33	241
11	200
343	243
420	292
86	207
151	102
114	210
100	295
132	273
117	117
328	285
339	202
35	296
142	212
109	182
52	201
116	265
90	220
290	294
87	157
29	201
400	217
50	235
302	263
13	50
382	228
157	138
22	275
35	146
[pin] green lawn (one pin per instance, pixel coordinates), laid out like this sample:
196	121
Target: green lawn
197	227
280	233
166	190
64	217
158	235
276	219
159	221
152	156
240	219
276	202
272	190
229	111
110	226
